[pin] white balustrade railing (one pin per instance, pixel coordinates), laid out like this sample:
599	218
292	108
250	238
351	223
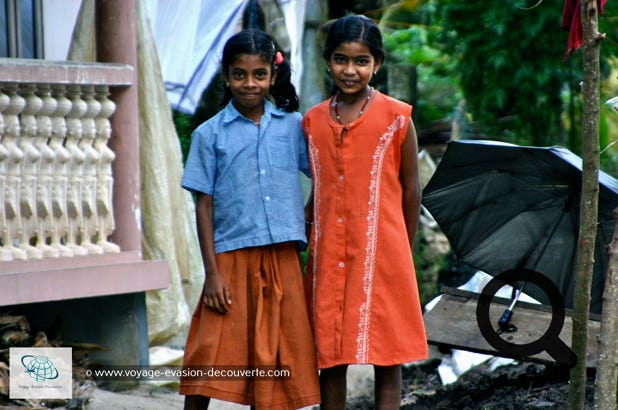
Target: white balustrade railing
56	180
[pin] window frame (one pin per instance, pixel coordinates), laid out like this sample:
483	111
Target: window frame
15	25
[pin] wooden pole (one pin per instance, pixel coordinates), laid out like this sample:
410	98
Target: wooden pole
589	201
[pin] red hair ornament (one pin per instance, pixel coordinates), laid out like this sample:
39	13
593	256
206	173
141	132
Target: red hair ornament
278	58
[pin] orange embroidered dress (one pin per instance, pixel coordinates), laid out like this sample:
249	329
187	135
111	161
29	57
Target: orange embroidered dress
361	283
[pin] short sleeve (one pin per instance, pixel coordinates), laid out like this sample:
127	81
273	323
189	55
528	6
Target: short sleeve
199	173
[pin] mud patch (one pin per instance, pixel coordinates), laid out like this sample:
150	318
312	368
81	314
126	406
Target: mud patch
520	386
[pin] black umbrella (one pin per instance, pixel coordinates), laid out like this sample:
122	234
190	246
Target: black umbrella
505	207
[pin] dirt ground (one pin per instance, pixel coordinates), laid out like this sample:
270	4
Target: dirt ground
521	386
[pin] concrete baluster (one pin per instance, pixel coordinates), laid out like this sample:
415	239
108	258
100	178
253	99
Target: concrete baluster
29	174
60	172
76	164
5	252
89	171
45	172
15	158
105	181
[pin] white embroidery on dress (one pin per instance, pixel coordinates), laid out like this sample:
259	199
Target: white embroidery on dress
315	176
362	340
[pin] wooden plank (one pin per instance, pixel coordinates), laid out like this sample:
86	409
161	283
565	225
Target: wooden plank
452	323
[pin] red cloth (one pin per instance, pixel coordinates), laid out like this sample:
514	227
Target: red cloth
572	21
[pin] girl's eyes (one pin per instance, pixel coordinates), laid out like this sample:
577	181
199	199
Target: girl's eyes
239	75
343	60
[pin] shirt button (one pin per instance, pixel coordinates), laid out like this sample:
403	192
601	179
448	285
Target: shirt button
267	198
341	264
340	220
340	177
263	171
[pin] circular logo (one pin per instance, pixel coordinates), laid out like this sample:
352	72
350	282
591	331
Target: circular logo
549	341
40	368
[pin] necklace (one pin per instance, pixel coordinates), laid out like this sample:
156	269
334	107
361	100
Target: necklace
336	98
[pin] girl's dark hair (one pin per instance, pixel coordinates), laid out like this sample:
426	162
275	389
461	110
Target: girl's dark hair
253	16
258	42
354	28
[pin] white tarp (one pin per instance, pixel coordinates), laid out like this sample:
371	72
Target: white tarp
294	14
190	35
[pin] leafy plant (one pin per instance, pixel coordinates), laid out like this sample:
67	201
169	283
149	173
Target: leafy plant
437	87
428	266
184	127
511	61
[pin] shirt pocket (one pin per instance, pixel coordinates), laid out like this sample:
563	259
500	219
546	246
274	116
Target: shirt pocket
281	152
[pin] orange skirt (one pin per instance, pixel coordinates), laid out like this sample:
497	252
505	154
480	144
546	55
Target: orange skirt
266	327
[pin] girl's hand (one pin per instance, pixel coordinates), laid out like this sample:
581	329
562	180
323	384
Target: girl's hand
216	293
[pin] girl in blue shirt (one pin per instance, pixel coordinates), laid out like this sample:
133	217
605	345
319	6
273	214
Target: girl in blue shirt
251	329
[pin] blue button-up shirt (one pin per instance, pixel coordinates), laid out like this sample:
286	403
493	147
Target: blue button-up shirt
252	173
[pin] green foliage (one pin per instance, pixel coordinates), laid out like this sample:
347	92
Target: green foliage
438	91
511	65
410	46
511	62
608	140
184	127
304	258
428	266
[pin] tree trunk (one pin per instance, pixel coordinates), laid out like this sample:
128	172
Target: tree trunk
589	201
607	364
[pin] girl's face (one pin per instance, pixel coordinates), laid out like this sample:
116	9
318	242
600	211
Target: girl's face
352	65
249	78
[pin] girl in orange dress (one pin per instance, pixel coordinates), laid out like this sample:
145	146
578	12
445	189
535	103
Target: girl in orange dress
361	285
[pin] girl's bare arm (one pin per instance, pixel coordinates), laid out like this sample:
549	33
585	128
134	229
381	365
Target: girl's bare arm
216	292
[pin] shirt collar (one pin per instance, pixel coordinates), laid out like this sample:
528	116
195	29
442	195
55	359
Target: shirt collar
230	113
